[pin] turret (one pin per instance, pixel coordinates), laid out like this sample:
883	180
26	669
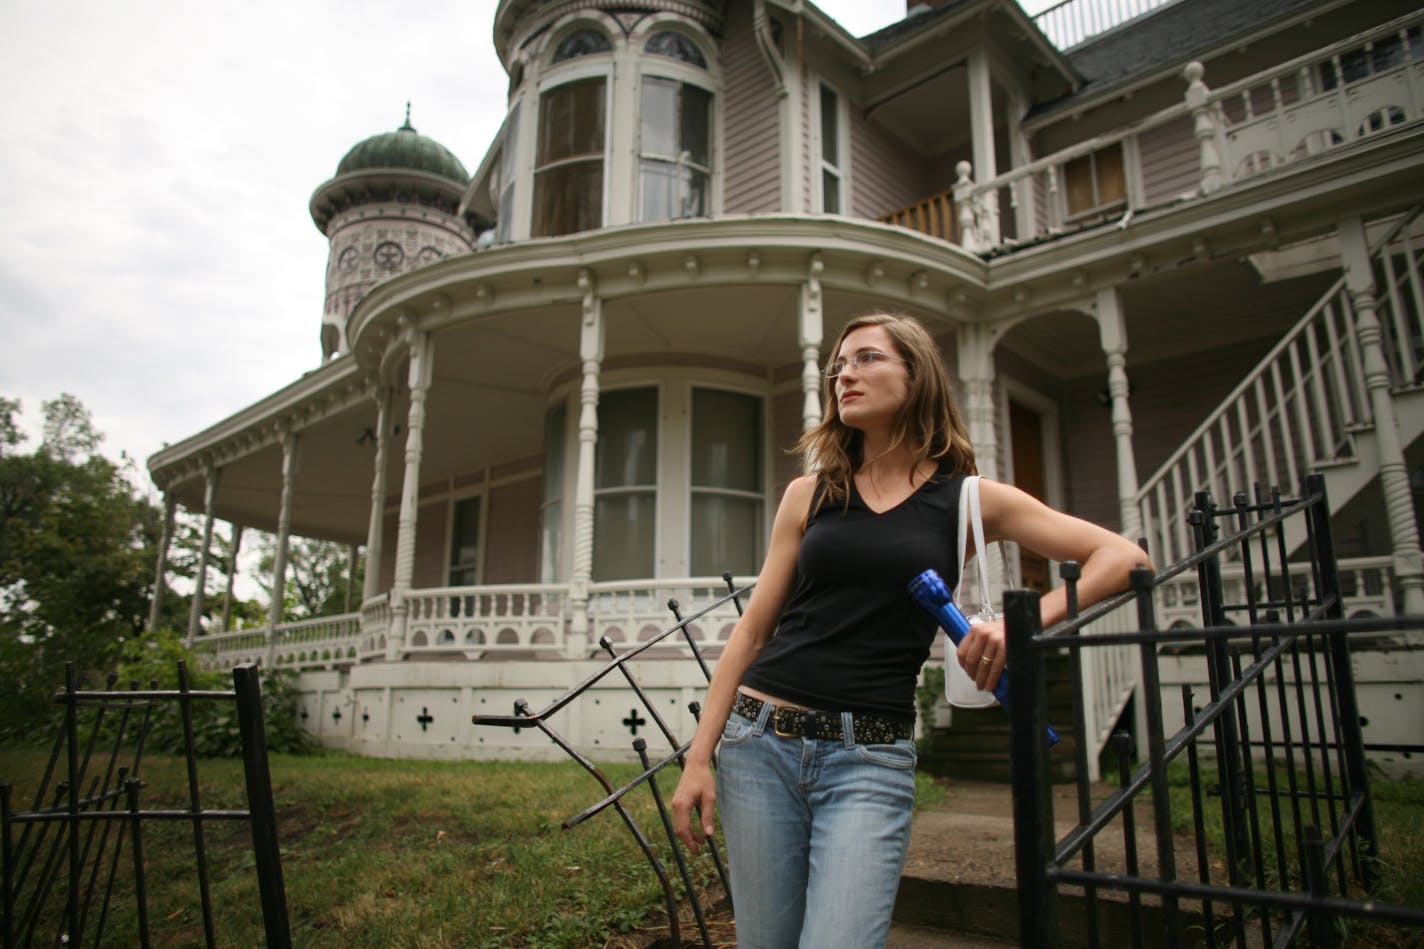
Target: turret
392	206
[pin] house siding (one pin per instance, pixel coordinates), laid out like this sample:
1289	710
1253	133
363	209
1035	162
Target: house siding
751	158
885	176
1171	163
511	539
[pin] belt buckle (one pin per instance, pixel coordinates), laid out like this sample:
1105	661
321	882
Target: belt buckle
776	724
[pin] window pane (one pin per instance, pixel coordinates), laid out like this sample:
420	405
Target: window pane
568	199
623	536
581	43
726	440
830	193
627	438
1112	179
677	46
1078	184
724	535
551	535
830	128
464	539
660	117
660	191
695	124
554	452
571	121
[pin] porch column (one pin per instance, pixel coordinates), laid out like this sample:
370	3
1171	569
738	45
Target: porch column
376	527
591	341
976	377
810	332
981	134
1393	473
234	548
1020	154
200	589
1112	330
160	572
284	531
421	359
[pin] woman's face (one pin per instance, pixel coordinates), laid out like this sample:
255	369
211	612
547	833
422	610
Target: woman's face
872	394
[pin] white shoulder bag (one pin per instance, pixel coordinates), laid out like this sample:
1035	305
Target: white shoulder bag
959	688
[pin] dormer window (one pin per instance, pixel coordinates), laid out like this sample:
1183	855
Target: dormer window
582	43
675	46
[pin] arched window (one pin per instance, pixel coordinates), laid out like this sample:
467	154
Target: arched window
675	149
584	42
676	46
568	173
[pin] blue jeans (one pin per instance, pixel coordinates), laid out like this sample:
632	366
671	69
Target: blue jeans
817	832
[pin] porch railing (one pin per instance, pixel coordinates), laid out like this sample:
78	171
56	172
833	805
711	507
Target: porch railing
1336	95
1302	406
1271	751
1075	21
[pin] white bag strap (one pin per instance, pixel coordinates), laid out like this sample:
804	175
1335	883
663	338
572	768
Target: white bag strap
970	517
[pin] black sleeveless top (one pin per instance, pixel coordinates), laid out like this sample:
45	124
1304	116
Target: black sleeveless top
850	637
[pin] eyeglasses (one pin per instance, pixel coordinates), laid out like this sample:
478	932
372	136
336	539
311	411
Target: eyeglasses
862	359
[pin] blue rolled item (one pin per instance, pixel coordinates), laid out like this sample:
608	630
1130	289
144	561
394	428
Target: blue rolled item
931	593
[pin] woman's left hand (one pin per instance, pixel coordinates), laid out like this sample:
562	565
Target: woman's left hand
981	653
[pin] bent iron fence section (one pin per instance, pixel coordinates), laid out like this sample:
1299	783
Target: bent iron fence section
63	860
621	663
1273	751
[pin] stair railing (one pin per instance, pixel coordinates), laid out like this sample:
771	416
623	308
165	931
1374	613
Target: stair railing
1299	409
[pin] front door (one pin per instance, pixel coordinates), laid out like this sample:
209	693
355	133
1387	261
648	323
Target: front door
1026	442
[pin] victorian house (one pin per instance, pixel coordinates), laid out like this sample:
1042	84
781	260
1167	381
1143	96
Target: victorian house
1165	247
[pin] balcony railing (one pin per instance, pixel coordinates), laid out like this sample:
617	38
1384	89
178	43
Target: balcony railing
1075	21
1330	98
531	621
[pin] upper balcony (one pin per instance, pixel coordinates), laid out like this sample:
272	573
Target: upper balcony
1247	132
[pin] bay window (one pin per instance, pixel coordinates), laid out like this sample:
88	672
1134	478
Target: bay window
726	483
625	485
568	172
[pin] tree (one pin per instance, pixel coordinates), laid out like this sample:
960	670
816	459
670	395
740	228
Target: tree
77	545
318	576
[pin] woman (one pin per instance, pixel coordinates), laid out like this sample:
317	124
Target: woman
813	698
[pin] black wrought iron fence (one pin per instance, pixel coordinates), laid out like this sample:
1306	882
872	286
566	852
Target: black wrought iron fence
81	842
622	665
1272	751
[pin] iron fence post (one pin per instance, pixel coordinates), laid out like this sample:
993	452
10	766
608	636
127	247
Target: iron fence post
262	810
1356	769
1028	747
1141	579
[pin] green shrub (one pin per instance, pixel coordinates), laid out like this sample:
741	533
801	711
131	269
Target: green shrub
151	661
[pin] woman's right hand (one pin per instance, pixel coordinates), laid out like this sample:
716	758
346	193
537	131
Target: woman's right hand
696	795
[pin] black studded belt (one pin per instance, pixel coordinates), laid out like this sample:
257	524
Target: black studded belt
790	722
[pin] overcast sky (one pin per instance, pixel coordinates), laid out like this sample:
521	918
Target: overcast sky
157	258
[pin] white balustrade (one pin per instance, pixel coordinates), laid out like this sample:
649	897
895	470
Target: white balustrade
1329	98
1072	22
1299	409
514	619
630	612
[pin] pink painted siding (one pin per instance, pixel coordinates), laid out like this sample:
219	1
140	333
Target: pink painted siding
1171	162
885	176
751	162
512	537
431	558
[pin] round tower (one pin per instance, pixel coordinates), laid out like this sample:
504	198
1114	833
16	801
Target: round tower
392	206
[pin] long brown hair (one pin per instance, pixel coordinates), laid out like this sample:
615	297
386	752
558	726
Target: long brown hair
929	420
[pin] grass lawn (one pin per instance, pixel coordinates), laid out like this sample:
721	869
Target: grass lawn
398	853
